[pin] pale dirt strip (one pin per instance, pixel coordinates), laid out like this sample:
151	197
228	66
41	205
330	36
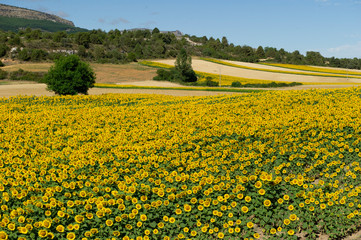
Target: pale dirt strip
27	89
209	67
40	90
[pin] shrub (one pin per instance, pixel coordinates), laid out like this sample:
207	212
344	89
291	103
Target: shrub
163	74
1	64
3	50
27	76
210	83
3	74
70	76
265	85
236	84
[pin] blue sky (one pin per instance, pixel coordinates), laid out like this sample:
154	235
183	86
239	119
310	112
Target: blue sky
331	27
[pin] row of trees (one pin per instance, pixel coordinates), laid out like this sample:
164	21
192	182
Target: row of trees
126	46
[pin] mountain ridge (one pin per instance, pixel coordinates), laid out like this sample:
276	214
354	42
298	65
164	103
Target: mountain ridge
18	12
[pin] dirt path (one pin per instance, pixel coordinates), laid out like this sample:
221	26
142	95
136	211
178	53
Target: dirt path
40	90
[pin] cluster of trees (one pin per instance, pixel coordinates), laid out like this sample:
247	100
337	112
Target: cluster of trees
118	46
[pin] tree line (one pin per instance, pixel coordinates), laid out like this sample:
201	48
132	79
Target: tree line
118	46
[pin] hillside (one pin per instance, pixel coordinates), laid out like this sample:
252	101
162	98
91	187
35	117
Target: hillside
15	19
17	12
16	24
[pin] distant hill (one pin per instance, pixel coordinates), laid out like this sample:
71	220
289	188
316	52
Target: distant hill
17	12
16	24
16	18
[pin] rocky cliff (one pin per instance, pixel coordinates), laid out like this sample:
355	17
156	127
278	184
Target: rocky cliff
17	12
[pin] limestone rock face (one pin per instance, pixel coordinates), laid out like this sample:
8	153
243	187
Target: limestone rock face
17	12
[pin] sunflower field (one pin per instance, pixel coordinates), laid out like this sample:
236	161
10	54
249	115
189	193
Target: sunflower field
269	165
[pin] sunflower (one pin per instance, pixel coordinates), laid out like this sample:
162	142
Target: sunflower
244	209
79	218
267	203
42	233
187	208
262	192
109	222
293	217
250	224
143	217
60	228
287	221
11	226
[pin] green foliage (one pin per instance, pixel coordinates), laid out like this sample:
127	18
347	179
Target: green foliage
34	55
3	74
3	50
27	76
166	75
183	67
236	84
70	76
127	46
210	83
265	85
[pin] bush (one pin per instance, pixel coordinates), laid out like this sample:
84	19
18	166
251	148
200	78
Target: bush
27	76
166	75
210	83
3	74
265	85
70	76
236	84
1	64
3	50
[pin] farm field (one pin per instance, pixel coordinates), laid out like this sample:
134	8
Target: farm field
106	73
141	75
217	68
270	165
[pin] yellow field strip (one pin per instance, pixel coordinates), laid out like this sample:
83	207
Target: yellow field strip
279	71
313	69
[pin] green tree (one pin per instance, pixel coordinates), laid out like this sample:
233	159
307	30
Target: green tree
155	31
70	76
260	52
3	50
314	58
183	67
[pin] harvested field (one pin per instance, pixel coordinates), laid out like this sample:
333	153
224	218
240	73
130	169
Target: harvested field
106	73
209	67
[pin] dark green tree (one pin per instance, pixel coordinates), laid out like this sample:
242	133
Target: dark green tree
3	50
183	67
260	52
314	58
155	31
70	76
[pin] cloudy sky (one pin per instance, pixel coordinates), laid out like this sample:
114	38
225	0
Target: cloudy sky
331	27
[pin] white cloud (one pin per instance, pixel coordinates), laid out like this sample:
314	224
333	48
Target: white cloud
57	13
345	51
119	20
